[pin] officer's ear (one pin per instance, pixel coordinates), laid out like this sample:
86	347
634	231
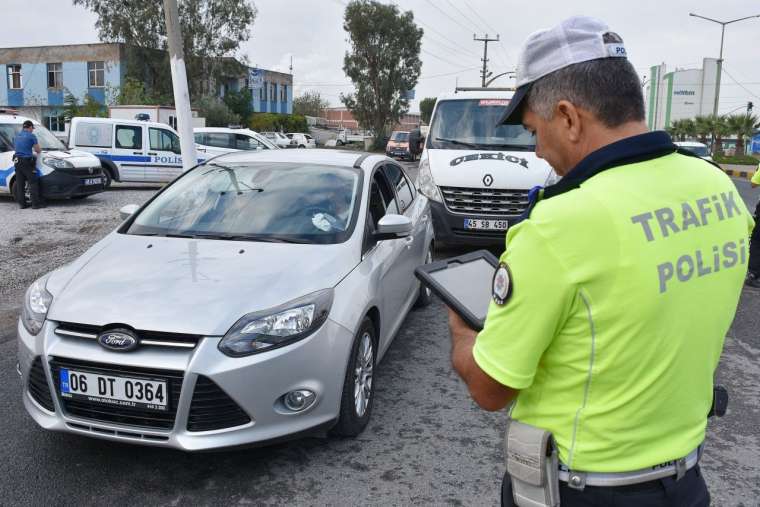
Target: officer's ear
570	120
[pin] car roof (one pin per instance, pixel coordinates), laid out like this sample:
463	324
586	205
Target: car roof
88	119
690	143
477	94
225	130
337	158
15	118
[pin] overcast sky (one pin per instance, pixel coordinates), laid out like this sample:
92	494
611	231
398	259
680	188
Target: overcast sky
311	31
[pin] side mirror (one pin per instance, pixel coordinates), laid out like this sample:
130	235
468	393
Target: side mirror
128	210
393	227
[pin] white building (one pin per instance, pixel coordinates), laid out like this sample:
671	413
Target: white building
680	94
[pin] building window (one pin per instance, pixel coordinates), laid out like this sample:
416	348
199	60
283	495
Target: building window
14	77
55	76
283	93
261	92
96	72
55	123
273	92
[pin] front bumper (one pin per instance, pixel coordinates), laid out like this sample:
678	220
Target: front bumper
397	152
449	228
255	384
63	183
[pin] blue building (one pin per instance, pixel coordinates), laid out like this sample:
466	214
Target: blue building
36	79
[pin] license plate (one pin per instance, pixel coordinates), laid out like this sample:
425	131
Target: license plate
485	224
93	181
114	390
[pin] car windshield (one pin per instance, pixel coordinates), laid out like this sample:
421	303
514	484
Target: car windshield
46	138
400	137
256	201
471	124
701	151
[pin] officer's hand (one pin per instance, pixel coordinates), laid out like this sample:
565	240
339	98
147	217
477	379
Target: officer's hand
458	328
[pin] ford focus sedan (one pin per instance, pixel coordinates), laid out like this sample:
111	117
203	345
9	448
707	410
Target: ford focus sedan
248	301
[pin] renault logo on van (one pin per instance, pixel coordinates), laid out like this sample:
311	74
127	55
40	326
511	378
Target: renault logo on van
488	180
119	340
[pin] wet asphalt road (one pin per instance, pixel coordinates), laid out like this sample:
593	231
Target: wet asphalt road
427	442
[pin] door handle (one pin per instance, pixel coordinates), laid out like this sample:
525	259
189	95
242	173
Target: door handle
137	153
152	153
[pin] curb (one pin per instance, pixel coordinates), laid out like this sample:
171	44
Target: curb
740	174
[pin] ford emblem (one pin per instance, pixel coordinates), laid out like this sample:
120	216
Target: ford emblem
119	340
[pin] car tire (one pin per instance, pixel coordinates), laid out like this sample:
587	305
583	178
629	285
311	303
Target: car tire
301	146
27	197
108	178
358	385
79	197
339	143
425	295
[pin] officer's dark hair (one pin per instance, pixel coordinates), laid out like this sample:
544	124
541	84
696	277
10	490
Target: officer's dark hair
609	88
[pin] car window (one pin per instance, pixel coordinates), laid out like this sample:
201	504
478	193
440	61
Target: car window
399	182
96	135
244	142
218	140
257	201
389	198
128	137
163	140
198	138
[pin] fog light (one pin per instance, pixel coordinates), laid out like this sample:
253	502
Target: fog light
298	400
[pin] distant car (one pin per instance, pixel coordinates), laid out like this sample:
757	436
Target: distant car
699	149
280	139
251	299
351	136
303	140
398	145
217	140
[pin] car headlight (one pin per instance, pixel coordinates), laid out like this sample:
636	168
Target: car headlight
426	184
552	179
57	163
37	302
271	329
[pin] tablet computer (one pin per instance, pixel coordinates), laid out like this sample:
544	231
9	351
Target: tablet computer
464	283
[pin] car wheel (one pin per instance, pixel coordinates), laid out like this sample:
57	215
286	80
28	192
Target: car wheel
301	146
27	194
358	385
426	295
339	142
107	177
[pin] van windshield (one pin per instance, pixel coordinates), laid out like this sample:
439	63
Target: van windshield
463	124
46	138
701	151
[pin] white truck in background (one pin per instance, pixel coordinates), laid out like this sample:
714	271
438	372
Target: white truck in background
477	174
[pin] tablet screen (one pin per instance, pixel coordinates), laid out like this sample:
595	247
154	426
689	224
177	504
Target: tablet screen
469	283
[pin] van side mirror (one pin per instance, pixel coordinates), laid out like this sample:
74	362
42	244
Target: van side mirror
128	210
393	227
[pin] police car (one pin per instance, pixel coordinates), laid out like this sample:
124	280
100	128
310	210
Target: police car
476	174
130	150
63	173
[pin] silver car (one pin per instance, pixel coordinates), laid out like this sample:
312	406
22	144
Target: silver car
249	300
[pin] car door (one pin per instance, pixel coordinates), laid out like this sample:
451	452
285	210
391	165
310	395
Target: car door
165	160
415	244
129	152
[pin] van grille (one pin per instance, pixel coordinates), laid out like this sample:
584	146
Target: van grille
485	201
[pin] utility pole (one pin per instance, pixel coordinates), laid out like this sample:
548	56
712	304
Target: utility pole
485	40
179	85
720	58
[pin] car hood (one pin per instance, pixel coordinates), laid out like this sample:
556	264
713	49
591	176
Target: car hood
189	286
77	158
468	168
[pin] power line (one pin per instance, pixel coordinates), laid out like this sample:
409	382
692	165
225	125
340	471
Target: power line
494	30
442	58
447	15
477	28
738	83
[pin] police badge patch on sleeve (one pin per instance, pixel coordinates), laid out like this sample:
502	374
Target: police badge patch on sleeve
502	284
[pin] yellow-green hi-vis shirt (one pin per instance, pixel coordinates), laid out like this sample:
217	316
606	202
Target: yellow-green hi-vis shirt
756	176
623	288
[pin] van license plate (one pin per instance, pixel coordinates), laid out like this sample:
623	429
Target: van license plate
93	181
114	390
485	224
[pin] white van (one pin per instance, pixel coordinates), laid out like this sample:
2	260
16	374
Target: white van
63	173
476	174
699	149
130	150
213	141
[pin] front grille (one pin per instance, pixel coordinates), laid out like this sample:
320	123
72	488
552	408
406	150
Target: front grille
82	171
118	414
481	234
146	338
38	385
485	201
212	409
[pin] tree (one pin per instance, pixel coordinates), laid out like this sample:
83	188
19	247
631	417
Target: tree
743	126
211	30
718	129
426	109
216	112
702	128
239	102
310	103
383	63
89	109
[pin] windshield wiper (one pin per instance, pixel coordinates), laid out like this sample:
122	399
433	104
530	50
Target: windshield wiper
264	238
454	141
510	147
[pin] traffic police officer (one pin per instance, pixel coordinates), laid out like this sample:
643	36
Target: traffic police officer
614	296
753	276
25	147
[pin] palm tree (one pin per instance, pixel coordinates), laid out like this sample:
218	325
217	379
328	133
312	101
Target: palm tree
702	128
689	129
677	129
742	125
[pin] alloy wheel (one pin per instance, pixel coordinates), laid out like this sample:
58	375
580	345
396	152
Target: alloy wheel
365	356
